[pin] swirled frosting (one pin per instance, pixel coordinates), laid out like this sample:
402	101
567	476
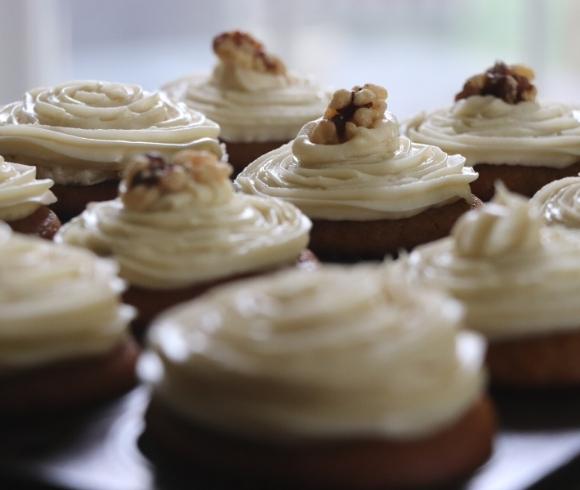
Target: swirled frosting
559	202
514	277
251	106
56	302
84	132
21	193
200	233
485	129
375	175
330	353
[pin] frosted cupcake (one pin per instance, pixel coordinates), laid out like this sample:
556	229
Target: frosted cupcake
24	200
519	283
82	134
559	202
258	104
63	330
498	125
179	229
369	191
340	377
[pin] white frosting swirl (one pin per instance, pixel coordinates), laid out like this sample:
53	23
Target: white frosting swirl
331	353
251	106
375	175
204	234
559	202
21	193
485	129
85	132
514	277
56	302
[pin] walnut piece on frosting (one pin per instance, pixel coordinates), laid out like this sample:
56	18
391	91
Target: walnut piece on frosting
511	83
361	107
150	176
242	49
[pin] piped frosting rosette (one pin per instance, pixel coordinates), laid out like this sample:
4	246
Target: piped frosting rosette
56	302
490	127
85	132
250	100
331	353
559	202
372	173
21	193
515	277
178	223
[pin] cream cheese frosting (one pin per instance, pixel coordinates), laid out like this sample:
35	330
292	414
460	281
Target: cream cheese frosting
341	351
84	132
375	175
251	106
199	233
21	193
56	302
559	202
485	129
514	277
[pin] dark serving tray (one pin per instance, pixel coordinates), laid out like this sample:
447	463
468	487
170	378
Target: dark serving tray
538	446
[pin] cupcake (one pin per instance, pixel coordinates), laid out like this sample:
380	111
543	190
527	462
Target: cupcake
258	104
340	377
24	200
369	191
559	202
519	283
178	229
63	330
498	125
82	134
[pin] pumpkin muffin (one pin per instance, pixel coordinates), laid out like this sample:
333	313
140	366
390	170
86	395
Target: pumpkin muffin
340	377
178	229
64	341
369	191
24	200
257	102
82	134
519	282
504	133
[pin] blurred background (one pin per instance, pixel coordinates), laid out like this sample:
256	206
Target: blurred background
421	50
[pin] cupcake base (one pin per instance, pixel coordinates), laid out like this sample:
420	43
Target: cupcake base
350	241
240	155
70	384
43	223
151	302
73	199
525	180
544	361
448	455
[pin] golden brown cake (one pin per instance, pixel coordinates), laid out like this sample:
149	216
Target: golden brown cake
340	377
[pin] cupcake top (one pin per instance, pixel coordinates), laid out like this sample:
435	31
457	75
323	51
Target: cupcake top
179	223
352	164
250	92
496	119
56	302
341	351
515	277
559	202
84	132
21	193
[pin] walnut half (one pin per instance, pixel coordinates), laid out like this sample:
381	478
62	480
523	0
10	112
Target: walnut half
511	83
361	107
242	49
151	176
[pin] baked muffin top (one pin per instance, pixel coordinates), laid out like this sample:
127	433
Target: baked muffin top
178	223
